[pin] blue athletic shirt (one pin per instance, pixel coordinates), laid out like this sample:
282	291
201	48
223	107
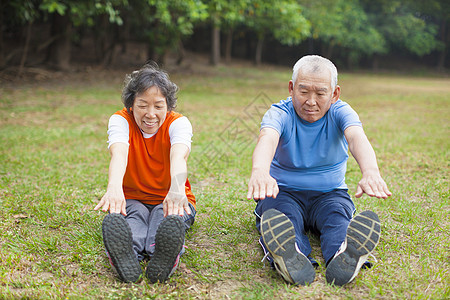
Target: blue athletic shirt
310	156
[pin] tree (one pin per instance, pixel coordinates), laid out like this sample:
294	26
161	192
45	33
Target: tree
403	25
372	28
164	23
66	14
344	24
436	12
224	15
214	11
13	14
233	16
283	19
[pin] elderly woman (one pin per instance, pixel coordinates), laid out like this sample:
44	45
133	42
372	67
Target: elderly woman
148	196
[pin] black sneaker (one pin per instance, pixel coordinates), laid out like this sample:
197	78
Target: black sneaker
118	242
169	241
279	237
363	234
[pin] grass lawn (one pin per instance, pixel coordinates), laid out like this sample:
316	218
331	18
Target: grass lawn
53	171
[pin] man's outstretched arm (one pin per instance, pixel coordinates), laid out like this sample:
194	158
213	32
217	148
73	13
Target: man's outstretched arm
261	184
371	182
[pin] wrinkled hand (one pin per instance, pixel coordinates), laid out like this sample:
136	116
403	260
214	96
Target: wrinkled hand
261	185
114	201
175	204
373	185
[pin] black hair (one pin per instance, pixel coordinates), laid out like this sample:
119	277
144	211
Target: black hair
141	80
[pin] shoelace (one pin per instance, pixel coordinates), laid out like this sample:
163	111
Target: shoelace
264	258
374	258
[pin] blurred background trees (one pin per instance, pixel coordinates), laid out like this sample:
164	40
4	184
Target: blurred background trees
354	33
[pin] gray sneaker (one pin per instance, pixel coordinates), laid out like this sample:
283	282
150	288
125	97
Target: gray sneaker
169	241
118	242
363	235
278	234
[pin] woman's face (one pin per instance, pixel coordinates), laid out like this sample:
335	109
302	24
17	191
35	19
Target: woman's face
150	110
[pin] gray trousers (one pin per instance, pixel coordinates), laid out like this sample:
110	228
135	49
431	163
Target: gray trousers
144	220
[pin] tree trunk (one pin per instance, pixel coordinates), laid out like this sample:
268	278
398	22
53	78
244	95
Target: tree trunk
2	49
2	42
376	62
441	60
228	45
311	45
25	50
101	38
445	37
330	49
249	49
259	49
162	57
352	60
181	52
215	43
151	52
59	51
111	39
108	58
124	33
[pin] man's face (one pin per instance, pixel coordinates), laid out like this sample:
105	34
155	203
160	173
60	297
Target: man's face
312	95
149	110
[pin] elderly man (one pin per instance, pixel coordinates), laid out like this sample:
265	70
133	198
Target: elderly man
298	179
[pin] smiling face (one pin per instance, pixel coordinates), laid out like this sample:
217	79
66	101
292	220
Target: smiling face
312	94
150	110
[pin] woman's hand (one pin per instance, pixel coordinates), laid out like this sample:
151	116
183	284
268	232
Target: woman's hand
176	203
114	201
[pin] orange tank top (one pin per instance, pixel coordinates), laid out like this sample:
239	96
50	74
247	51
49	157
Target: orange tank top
147	177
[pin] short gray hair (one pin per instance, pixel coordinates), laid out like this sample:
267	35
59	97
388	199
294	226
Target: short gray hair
141	80
315	63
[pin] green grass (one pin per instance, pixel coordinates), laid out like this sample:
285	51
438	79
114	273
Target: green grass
54	164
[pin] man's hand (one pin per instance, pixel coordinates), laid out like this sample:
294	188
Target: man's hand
176	203
114	201
373	185
261	185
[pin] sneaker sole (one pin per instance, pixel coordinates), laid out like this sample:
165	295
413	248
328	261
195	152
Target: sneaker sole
118	241
279	237
363	235
169	241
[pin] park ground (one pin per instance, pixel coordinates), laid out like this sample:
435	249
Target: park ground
54	163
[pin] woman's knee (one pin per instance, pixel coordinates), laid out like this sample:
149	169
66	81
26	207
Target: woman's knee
135	209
